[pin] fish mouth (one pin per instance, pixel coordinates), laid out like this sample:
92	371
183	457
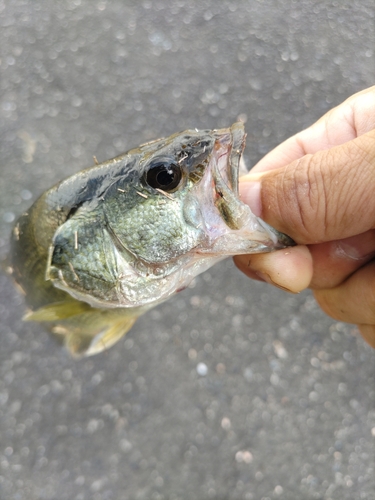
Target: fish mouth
231	226
228	149
233	140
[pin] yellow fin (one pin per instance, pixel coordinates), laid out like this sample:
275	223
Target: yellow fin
57	311
83	329
79	345
86	341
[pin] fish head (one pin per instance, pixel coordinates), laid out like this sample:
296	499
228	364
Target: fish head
144	224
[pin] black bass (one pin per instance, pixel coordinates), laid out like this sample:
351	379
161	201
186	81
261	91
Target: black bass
105	245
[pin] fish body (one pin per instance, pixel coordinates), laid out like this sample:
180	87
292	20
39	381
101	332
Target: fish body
105	245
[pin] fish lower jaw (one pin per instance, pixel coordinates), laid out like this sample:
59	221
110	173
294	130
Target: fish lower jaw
255	236
231	245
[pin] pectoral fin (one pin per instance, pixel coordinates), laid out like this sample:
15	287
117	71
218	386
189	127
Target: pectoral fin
83	344
84	330
57	311
93	332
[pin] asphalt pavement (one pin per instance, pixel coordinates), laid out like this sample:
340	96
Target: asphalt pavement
232	390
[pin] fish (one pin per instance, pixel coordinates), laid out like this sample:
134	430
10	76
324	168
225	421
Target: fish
105	245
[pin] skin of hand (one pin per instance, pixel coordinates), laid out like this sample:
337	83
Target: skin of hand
319	188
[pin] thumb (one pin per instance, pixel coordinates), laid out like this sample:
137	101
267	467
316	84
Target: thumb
320	197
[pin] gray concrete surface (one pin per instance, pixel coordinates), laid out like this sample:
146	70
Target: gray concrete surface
232	390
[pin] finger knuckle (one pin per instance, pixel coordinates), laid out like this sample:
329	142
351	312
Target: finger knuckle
305	197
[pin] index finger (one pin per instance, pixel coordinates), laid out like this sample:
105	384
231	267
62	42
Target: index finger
352	118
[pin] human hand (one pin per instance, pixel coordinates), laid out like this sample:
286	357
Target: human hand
319	188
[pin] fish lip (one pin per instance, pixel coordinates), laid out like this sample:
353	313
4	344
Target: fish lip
233	139
239	140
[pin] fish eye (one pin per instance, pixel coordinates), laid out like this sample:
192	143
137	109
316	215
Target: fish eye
165	176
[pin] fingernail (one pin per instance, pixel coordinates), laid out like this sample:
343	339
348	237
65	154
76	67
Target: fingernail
250	194
267	278
356	247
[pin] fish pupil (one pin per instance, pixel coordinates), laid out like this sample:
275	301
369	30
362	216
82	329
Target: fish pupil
165	177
